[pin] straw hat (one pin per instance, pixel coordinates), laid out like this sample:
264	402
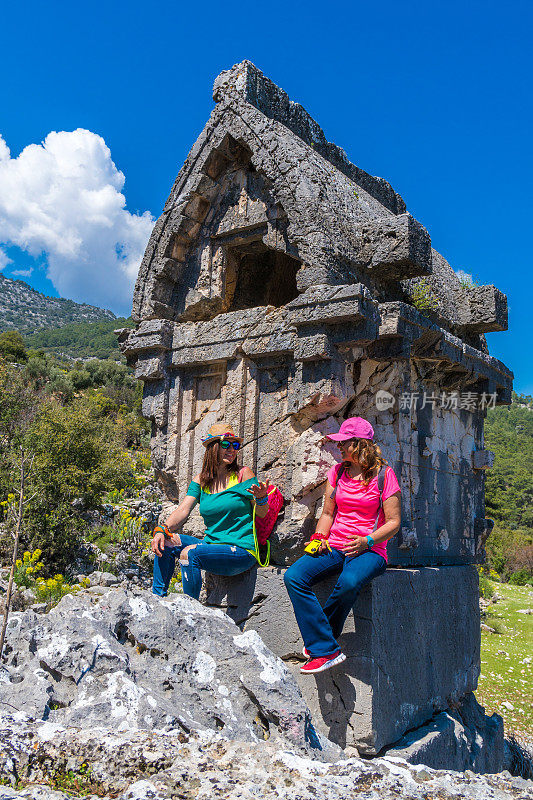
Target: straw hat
220	431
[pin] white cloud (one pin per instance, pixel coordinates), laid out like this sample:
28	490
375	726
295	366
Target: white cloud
64	198
4	150
4	259
22	273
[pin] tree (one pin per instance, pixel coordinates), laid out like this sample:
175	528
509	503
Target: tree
25	468
18	406
78	456
12	347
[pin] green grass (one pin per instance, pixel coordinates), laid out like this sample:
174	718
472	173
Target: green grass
505	678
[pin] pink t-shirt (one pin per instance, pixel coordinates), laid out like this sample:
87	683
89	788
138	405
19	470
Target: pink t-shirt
357	506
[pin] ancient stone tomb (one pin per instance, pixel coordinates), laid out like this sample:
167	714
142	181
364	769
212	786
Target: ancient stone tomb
284	289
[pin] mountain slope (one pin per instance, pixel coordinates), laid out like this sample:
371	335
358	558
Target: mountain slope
81	339
26	310
509	485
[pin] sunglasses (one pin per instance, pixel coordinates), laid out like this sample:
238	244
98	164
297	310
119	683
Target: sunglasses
225	444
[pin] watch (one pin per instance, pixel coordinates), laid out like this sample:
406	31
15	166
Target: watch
370	541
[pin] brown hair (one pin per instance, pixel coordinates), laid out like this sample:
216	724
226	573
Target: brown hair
210	464
369	456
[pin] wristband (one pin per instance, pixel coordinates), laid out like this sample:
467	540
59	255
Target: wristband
261	501
164	530
370	542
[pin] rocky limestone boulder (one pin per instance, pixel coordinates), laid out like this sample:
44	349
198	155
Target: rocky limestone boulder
150	765
128	661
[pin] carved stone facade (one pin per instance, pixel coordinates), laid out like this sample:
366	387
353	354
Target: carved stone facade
276	293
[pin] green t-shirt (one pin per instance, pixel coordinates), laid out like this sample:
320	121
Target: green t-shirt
227	515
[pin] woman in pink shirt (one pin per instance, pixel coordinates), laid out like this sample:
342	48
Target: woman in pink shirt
361	513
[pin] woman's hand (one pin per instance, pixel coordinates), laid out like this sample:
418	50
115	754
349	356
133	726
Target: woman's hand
158	543
159	538
259	490
324	547
358	545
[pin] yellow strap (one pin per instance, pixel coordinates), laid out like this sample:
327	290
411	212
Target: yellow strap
256	554
233	481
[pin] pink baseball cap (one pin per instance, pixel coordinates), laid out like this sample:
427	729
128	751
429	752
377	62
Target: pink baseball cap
353	428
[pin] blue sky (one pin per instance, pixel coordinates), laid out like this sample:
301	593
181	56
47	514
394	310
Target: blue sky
435	97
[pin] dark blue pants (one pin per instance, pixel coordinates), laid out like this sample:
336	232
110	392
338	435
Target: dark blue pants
319	627
220	559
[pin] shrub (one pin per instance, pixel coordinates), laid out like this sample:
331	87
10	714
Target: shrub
494	623
503	547
58	529
467	281
26	569
486	589
422	297
12	347
47	590
130	528
520	578
114	496
78	454
51	591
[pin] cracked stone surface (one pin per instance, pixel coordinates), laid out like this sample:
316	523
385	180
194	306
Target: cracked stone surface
412	647
142	765
130	661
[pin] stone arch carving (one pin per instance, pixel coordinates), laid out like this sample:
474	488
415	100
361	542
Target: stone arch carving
191	266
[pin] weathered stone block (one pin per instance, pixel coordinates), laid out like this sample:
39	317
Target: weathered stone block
488	310
397	247
459	739
412	648
149	369
483	459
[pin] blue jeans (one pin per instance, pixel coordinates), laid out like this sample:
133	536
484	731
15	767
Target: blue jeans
319	627
221	559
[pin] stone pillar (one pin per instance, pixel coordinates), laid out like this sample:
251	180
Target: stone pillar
412	647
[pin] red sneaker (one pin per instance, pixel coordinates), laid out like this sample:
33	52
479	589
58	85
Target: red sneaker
323	662
306	652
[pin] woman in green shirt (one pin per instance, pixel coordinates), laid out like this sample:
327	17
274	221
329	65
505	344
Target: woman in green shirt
227	496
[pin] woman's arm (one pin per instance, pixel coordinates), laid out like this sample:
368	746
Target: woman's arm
181	513
326	518
175	521
258	491
393	515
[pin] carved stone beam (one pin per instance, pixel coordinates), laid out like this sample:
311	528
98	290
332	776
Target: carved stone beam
406	332
488	310
395	248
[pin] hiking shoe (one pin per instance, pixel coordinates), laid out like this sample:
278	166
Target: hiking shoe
306	652
323	662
